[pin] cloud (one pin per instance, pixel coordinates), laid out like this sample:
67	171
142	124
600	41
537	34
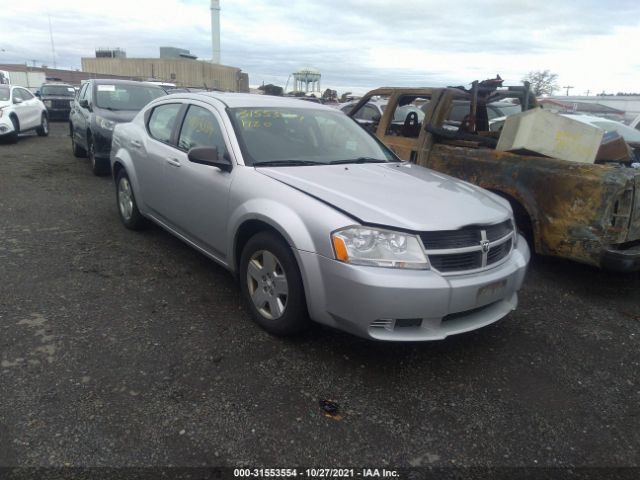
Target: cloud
356	44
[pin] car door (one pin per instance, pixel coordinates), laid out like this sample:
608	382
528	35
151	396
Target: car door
197	195
80	116
20	108
151	151
35	108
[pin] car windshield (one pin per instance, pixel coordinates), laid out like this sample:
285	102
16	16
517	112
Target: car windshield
301	136
125	97
58	90
628	133
5	93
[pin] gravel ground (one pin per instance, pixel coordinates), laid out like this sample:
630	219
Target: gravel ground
131	349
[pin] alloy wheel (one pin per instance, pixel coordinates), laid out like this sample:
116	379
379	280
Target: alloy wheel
267	284
125	198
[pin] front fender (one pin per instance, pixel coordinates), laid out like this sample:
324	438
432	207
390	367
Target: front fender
282	218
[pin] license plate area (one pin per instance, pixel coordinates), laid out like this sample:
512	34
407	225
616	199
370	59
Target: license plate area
491	291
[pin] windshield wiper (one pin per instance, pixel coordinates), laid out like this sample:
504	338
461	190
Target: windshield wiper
286	163
359	160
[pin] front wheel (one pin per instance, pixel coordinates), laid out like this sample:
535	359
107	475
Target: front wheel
43	129
78	151
127	206
272	285
99	166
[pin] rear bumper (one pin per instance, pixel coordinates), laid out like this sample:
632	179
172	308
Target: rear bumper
621	258
396	305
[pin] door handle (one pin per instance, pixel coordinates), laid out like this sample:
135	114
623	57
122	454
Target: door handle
173	162
136	143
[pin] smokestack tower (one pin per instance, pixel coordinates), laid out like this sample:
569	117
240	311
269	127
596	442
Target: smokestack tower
215	30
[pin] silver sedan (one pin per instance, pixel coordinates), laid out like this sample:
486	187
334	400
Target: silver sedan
317	219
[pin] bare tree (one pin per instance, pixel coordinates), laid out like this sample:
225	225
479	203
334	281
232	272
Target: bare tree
542	82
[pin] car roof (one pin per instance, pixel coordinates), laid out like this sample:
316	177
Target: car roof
590	118
240	100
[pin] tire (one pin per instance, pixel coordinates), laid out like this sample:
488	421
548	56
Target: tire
43	129
78	151
128	211
272	285
98	166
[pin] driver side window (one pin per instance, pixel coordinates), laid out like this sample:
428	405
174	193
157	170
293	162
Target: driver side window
201	129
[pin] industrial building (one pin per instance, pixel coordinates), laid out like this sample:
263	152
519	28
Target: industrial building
181	71
174	65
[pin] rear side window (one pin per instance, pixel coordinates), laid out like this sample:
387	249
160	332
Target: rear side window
162	121
201	129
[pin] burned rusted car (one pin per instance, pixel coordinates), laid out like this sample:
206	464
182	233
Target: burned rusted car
586	212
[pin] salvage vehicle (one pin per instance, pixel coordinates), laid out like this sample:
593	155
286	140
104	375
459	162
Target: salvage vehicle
58	98
98	107
21	111
588	213
318	219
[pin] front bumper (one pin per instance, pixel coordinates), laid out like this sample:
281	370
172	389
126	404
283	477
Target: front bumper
6	126
621	259
410	305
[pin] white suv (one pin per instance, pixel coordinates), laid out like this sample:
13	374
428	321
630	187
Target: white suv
20	111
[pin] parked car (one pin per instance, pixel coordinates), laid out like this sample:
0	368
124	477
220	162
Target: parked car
58	98
317	218
21	111
98	107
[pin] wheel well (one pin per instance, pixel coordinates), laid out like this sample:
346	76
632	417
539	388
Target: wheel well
13	116
247	230
521	215
116	169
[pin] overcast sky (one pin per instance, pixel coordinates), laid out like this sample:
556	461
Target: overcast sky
356	44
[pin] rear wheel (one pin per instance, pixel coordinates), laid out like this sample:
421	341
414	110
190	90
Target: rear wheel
43	129
272	285
127	206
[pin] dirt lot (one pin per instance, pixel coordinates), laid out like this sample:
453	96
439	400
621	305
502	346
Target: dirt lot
122	348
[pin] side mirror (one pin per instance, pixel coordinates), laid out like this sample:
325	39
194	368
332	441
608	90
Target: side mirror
37	94
17	100
209	156
84	103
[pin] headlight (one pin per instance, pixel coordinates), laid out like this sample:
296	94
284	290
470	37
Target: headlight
47	103
104	123
378	248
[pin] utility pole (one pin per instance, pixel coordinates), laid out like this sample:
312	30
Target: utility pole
568	87
588	92
53	48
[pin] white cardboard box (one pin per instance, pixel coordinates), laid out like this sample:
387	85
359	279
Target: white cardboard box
551	135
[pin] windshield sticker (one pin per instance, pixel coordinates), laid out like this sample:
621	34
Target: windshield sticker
70	89
106	88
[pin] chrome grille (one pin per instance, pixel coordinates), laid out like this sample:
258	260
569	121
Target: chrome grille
469	248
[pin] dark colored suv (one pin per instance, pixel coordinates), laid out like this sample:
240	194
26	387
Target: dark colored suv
58	98
98	107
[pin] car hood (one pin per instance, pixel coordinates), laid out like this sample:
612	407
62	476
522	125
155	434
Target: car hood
55	97
397	195
118	116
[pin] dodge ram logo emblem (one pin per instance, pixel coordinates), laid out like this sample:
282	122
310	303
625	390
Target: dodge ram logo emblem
485	246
